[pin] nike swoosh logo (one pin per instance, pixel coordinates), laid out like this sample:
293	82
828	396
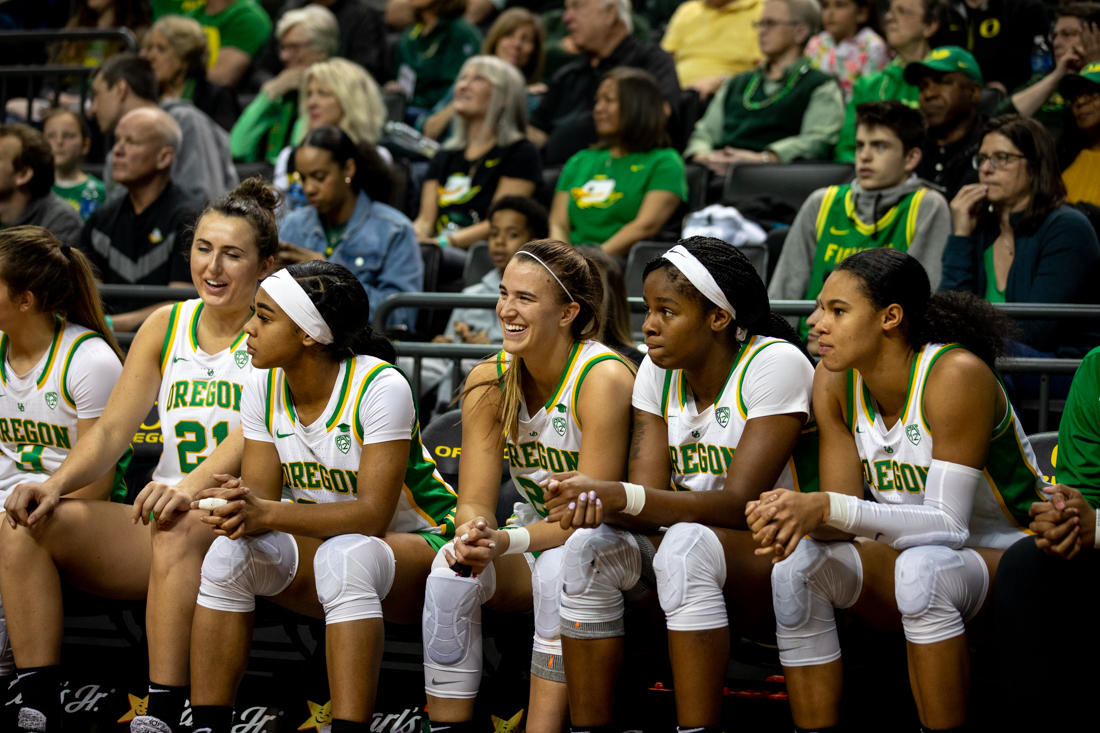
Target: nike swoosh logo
178	358
151	690
24	674
858	430
838	232
880	534
447	682
281	435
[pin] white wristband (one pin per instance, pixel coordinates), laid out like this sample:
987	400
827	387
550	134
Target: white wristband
518	541
1096	535
635	498
838	510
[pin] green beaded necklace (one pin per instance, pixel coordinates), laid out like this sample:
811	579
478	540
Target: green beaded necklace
754	84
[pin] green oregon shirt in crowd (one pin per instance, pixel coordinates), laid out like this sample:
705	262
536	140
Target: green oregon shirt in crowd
1078	460
85	197
243	25
887	84
605	193
264	128
435	58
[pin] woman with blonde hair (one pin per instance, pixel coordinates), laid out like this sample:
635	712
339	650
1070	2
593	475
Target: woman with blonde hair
517	37
486	157
176	47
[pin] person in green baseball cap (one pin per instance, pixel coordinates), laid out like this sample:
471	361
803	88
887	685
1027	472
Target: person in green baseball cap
1079	144
950	84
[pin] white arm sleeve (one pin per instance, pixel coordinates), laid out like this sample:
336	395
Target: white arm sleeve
648	386
943	519
387	411
91	377
779	381
252	407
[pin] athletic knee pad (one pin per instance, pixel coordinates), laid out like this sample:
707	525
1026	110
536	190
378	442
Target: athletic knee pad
452	629
938	590
599	565
806	588
546	600
353	573
7	660
691	571
234	572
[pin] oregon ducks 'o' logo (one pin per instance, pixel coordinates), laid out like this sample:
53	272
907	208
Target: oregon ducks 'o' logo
989	27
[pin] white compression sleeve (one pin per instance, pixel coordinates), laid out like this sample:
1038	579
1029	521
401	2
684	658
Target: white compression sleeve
943	519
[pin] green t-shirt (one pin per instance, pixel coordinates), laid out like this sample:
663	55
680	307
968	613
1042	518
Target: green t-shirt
333	236
431	61
606	193
84	197
243	25
1078	463
992	293
176	7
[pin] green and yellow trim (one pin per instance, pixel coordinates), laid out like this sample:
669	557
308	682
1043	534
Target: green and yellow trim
850	402
741	407
570	363
665	393
77	342
288	402
868	230
169	335
580	378
269	402
51	356
911	217
927	373
823	212
342	401
193	328
374	372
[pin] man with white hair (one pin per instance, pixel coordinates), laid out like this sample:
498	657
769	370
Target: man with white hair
142	238
601	29
782	110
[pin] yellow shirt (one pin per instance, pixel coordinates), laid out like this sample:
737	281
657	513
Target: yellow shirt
710	41
1082	178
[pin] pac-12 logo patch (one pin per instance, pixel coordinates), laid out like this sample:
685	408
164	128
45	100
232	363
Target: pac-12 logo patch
559	425
241	357
20	405
722	415
913	433
51	400
343	440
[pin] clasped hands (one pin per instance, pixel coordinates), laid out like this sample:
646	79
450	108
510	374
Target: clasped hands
1065	524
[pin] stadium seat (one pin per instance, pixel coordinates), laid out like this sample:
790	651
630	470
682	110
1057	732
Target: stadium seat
395	106
432	254
774	243
640	255
260	168
545	194
1045	446
684	118
758	256
788	183
697	178
478	264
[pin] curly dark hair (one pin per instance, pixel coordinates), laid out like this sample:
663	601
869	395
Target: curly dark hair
888	276
372	174
740	283
342	302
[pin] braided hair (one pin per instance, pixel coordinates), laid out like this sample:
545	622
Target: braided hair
342	302
740	283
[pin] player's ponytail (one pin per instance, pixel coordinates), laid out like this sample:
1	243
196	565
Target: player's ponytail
60	278
740	283
342	302
888	276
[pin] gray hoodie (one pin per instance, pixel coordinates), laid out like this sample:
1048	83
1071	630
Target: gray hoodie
796	261
56	214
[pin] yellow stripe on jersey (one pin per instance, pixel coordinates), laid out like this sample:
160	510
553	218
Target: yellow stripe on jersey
851	401
169	336
924	383
502	364
240	340
868	230
823	212
556	396
288	402
664	395
580	378
349	367
3	358
193	328
269	403
374	372
741	407
911	219
59	328
910	393
82	338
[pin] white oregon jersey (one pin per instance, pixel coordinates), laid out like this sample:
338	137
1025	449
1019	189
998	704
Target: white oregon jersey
768	377
39	411
199	403
896	461
550	440
372	403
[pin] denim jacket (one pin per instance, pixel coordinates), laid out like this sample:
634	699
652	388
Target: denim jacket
379	246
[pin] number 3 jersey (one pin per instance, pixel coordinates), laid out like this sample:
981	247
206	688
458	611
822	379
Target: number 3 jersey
39	410
896	461
372	403
768	377
549	441
200	394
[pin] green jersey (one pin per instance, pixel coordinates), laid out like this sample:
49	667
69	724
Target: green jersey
1077	458
427	62
606	193
244	25
84	197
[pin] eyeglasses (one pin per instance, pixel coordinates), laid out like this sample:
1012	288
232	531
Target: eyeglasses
996	160
769	24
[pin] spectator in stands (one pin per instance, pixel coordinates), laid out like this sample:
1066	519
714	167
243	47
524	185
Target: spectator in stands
1079	146
1076	43
517	37
202	165
601	29
711	40
848	47
950	84
429	52
783	110
306	36
67	133
624	190
1016	241
176	47
334	92
1000	33
142	238
513	222
236	31
26	181
886	206
907	25
347	223
615	318
361	37
487	157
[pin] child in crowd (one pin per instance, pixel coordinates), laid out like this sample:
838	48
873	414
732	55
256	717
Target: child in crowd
849	47
68	136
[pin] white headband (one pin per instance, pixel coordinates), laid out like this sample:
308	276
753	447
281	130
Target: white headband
536	259
285	290
699	276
